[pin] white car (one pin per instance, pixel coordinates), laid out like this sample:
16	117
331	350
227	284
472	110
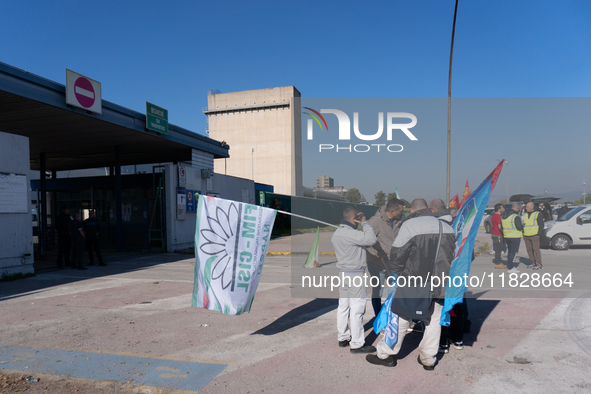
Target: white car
573	228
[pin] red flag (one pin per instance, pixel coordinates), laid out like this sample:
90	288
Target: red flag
455	202
466	193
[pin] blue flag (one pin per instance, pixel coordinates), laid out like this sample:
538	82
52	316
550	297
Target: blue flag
466	226
387	320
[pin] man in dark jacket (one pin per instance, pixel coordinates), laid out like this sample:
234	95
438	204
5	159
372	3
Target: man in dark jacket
385	223
78	237
62	225
92	228
562	210
413	254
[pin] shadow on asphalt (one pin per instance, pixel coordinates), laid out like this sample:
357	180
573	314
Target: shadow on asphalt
299	315
372	336
478	312
50	278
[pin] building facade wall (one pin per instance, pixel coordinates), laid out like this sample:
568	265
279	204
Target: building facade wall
16	231
180	234
263	129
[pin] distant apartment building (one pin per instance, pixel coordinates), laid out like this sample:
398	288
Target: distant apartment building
324	182
263	129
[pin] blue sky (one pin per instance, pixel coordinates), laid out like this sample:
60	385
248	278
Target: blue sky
171	53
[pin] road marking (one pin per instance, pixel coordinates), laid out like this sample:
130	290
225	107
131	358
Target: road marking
110	367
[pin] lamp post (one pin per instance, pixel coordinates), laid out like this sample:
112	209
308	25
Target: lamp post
451	55
507	163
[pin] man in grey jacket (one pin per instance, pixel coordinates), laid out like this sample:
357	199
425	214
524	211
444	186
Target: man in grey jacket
385	223
413	254
349	246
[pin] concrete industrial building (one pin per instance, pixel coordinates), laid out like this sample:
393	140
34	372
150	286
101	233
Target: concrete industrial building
263	129
324	182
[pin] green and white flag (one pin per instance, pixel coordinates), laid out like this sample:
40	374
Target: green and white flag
397	194
312	260
231	241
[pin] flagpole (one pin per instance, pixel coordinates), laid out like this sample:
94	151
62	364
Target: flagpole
304	217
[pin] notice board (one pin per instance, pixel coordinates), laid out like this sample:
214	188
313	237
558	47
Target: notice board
13	193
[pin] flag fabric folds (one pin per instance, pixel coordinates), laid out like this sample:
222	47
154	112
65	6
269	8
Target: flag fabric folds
312	260
466	226
231	240
466	194
397	194
387	320
454	202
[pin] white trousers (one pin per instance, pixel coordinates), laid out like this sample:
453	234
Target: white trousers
429	345
352	302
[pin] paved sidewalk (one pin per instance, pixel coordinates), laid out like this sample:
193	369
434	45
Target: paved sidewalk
137	311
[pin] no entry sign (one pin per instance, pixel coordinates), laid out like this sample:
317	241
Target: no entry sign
83	92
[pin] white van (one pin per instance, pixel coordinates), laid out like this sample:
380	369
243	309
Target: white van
573	228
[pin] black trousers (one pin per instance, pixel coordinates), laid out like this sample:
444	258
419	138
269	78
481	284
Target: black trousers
77	253
455	331
63	249
93	243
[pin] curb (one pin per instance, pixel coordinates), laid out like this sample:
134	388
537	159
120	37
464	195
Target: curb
298	253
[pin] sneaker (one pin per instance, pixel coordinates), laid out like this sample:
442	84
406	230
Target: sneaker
530	266
514	270
102	265
344	343
444	349
386	362
537	267
500	266
364	349
458	345
425	367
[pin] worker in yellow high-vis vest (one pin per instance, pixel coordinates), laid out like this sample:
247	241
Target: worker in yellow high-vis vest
533	226
512	232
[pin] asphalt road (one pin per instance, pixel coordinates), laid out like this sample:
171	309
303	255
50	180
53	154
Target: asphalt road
132	322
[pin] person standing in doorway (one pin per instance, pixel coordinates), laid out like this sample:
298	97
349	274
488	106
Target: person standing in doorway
92	228
62	225
78	239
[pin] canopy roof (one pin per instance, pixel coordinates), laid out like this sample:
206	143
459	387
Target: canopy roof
73	138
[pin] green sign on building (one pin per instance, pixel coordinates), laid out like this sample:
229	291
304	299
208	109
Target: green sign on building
156	118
